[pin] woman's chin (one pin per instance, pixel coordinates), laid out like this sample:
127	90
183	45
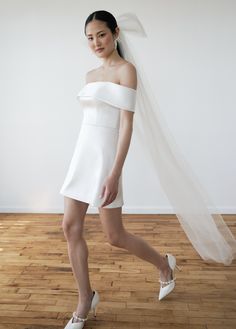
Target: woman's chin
100	55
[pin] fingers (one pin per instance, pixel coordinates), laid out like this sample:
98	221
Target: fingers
109	191
108	199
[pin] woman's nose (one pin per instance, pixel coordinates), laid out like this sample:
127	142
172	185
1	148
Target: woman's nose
96	42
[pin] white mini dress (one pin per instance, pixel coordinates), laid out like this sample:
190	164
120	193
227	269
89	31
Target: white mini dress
96	146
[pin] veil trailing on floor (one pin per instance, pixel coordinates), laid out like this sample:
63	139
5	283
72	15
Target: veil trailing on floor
207	231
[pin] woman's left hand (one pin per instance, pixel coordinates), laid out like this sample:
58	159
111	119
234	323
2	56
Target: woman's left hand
109	190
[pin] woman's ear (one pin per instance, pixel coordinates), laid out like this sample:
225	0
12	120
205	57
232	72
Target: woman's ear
117	31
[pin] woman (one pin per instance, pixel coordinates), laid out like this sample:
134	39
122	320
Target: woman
95	173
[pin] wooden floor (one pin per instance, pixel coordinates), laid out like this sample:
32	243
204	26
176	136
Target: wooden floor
38	291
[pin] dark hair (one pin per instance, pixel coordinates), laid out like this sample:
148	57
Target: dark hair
109	19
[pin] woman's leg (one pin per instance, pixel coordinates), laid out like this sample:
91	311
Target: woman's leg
72	224
111	219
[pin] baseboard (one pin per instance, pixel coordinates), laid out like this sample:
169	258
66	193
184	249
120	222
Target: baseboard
125	210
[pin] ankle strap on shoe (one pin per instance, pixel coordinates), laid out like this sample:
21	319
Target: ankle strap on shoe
76	317
167	282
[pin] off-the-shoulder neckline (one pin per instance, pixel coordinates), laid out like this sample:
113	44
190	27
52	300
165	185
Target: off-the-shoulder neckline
116	84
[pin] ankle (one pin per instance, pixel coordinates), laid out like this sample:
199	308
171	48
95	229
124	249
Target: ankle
85	296
165	268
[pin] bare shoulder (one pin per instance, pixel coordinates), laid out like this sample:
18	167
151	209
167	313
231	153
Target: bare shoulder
128	75
90	75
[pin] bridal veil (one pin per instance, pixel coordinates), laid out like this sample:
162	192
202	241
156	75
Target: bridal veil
206	230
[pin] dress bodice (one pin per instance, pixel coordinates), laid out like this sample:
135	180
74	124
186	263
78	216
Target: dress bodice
102	102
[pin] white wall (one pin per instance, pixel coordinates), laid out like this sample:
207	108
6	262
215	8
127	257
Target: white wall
189	58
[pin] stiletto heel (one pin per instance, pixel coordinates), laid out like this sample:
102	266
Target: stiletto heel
81	323
95	312
164	291
94	303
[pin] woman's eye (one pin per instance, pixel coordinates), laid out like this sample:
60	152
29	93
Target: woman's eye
102	34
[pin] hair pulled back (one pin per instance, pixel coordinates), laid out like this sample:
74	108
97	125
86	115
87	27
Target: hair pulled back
109	19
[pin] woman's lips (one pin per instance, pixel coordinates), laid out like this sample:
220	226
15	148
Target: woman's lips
99	50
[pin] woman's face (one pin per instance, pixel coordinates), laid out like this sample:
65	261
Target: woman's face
100	38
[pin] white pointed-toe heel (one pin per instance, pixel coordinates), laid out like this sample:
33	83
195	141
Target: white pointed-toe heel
164	291
81	323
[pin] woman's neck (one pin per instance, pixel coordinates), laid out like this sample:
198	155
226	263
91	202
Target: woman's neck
112	60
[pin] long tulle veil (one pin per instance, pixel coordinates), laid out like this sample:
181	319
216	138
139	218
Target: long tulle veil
206	230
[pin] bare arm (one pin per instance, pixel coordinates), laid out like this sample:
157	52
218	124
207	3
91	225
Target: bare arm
128	79
125	134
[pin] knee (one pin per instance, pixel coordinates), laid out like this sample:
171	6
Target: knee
116	239
72	230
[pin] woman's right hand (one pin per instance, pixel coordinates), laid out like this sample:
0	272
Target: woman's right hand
109	190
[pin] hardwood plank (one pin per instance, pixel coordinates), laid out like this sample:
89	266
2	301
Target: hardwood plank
38	290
